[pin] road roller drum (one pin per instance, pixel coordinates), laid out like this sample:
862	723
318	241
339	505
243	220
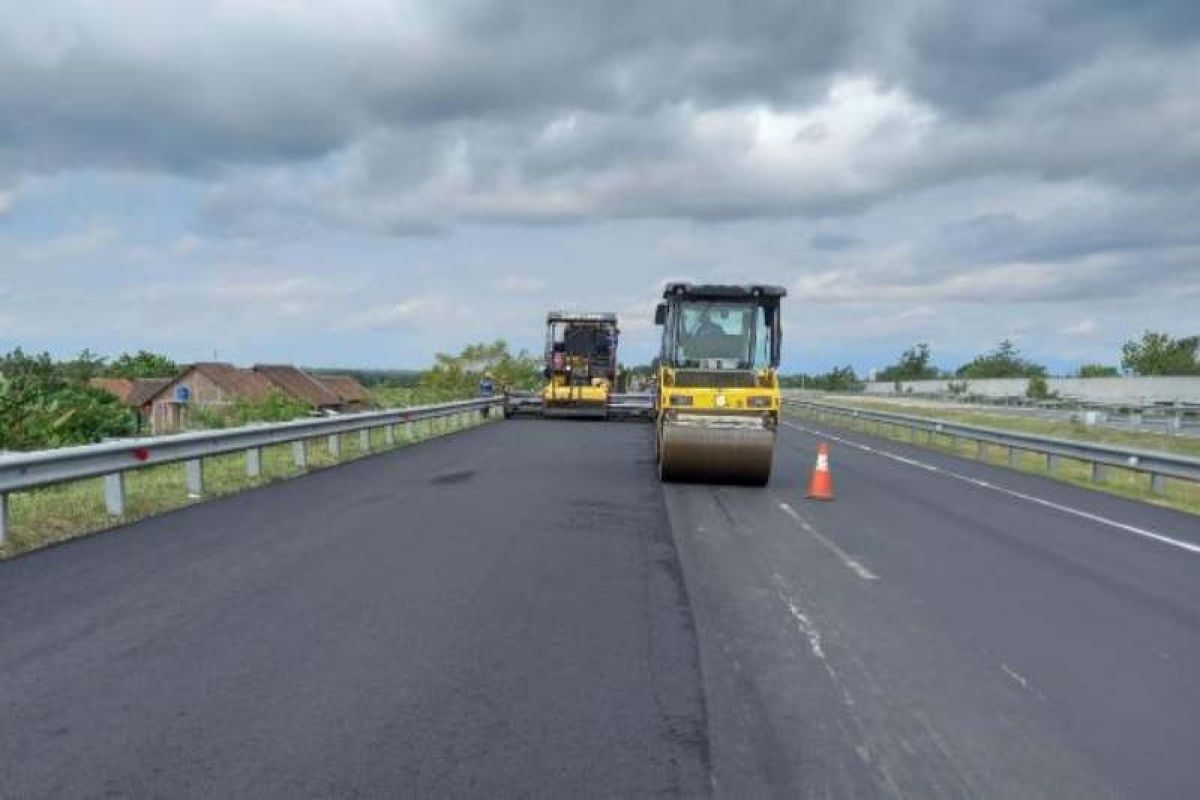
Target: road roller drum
717	450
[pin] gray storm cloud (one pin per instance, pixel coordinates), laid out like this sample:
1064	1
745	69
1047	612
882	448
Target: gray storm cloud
950	151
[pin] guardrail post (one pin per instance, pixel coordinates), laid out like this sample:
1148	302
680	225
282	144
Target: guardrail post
1099	472
195	477
1014	457
300	454
364	440
114	494
389	434
254	462
1052	462
981	450
335	446
3	517
1158	483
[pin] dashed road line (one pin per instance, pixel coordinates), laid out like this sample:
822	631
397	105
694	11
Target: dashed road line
1010	672
851	564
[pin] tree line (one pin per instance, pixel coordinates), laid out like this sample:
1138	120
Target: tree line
1153	353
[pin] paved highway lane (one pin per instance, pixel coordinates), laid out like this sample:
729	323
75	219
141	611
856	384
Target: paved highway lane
522	610
927	637
494	614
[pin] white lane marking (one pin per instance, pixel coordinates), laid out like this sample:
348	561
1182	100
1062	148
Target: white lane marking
1029	498
802	621
855	567
1010	672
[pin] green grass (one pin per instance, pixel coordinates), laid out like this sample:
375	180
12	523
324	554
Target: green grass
1180	495
405	396
55	513
1144	440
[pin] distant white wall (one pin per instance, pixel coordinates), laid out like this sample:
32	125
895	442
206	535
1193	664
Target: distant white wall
1100	390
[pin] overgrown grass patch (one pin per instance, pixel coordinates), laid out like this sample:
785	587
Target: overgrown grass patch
1062	429
63	511
1178	494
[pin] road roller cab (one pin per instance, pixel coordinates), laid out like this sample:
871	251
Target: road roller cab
581	363
717	402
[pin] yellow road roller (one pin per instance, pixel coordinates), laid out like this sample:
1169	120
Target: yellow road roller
717	400
581	363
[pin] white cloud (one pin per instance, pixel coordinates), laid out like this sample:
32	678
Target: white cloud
74	245
416	311
1084	328
519	284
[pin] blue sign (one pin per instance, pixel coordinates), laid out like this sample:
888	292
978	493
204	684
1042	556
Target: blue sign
183	393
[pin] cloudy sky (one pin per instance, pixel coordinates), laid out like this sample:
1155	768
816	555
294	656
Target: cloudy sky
364	183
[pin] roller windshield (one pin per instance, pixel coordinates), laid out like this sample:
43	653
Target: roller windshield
722	335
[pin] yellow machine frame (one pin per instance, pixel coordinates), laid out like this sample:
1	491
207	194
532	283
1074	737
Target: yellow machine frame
566	393
717	422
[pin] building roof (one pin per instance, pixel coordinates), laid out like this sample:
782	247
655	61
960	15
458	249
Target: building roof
242	383
121	388
144	389
299	384
346	387
132	392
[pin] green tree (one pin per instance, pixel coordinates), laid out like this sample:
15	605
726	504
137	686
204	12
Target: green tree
1039	389
1003	362
838	379
18	365
1159	354
142	364
457	376
1098	371
42	405
82	368
841	379
914	365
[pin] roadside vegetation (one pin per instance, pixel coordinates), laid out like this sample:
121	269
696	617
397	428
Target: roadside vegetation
56	513
1062	429
457	377
46	403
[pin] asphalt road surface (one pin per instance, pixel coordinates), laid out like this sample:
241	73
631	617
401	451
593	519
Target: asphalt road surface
522	610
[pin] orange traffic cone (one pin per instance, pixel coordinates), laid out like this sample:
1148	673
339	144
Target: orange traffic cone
821	486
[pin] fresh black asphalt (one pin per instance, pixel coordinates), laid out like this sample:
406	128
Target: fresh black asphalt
522	610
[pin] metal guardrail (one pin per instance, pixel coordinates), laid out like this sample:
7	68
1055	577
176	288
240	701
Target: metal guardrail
1157	465
24	471
636	403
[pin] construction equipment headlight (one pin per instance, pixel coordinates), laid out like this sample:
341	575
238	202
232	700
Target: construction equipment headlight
759	401
681	399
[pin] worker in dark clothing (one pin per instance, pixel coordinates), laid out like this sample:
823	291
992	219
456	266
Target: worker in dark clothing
487	388
707	326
